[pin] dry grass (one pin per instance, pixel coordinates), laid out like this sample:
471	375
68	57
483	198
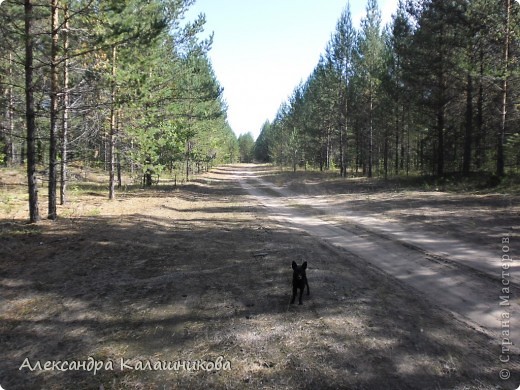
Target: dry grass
473	216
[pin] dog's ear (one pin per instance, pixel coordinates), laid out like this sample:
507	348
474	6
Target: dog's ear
294	265
304	265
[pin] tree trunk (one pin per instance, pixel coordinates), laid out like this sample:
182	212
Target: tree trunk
112	134
385	157
66	108
341	153
345	137
440	142
502	131
408	147
479	141
188	151
370	135
11	150
119	178
397	114
468	136
4	137
53	150
396	166
327	165
34	213
343	127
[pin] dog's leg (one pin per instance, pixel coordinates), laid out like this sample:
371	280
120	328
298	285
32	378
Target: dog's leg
294	290
301	293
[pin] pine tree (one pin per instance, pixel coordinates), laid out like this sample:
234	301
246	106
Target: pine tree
53	142
507	36
398	46
436	92
434	66
261	148
34	213
11	82
246	144
340	55
369	73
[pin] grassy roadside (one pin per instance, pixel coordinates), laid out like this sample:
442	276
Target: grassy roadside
477	183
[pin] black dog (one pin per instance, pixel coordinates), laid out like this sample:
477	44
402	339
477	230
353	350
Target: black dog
299	280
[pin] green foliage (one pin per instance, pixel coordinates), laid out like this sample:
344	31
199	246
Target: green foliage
169	97
246	144
261	148
433	92
140	85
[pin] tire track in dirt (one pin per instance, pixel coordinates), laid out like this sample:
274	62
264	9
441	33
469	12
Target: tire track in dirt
472	295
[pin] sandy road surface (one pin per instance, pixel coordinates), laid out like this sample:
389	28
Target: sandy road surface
455	275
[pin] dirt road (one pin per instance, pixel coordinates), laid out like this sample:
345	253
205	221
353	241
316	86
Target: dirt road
203	271
455	275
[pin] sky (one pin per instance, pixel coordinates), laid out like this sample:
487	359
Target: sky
262	49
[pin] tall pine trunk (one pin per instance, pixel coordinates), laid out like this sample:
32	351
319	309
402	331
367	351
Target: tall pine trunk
370	133
34	212
468	136
53	148
112	135
441	114
10	145
396	165
344	112
385	157
502	131
188	152
328	148
440	142
479	138
66	108
341	152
